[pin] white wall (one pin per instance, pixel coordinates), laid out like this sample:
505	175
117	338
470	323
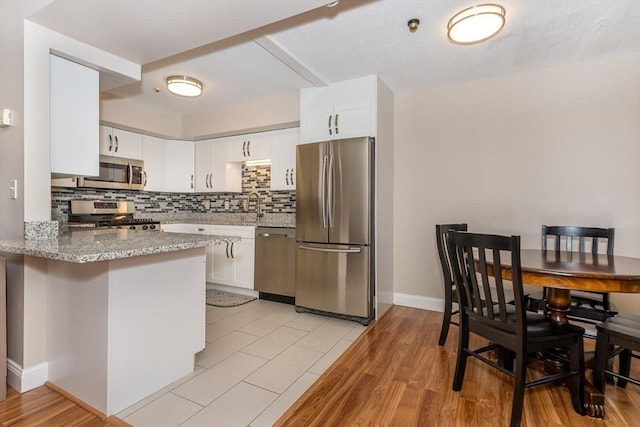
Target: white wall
508	154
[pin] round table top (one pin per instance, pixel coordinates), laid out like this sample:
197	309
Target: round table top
584	271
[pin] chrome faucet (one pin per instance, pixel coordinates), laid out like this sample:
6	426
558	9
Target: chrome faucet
258	212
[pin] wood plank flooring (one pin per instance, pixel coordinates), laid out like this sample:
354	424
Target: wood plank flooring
45	407
395	374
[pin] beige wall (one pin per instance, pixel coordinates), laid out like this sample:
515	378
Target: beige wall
135	116
244	117
507	154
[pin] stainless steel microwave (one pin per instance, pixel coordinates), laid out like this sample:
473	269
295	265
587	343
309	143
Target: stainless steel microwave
114	173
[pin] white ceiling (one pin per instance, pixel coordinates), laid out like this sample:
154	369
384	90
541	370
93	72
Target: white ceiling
353	39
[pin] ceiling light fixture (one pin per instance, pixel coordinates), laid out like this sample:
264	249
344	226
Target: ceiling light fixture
476	24
184	86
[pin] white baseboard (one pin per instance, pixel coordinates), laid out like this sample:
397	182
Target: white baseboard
23	380
418	301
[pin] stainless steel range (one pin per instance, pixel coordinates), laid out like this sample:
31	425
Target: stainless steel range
104	214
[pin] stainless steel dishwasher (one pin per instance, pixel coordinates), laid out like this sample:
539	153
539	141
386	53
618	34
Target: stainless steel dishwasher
275	264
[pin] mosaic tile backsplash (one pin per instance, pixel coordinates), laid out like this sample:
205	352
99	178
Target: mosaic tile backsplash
254	178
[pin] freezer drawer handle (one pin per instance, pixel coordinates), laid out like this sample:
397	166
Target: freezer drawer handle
341	251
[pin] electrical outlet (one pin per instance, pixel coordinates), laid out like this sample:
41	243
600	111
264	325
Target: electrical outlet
226	205
206	204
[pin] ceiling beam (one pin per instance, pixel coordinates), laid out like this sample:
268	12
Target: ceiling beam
271	46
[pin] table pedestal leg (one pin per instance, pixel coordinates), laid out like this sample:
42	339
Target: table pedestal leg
559	305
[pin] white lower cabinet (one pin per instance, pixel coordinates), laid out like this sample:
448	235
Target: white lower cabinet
227	264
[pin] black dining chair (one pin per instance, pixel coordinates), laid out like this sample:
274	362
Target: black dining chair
586	306
472	259
450	293
617	336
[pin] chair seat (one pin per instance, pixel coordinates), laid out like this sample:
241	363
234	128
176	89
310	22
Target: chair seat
625	327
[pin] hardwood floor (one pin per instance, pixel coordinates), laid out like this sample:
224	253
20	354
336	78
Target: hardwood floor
395	374
43	406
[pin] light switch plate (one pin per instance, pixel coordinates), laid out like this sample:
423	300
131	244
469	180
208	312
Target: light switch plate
13	187
5	117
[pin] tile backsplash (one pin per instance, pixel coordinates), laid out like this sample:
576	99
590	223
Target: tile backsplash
254	178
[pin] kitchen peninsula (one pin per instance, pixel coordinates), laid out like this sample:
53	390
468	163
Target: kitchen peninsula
125	310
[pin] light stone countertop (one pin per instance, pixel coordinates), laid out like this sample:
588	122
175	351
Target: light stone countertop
108	244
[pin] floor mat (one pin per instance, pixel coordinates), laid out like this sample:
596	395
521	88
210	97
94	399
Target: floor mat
226	299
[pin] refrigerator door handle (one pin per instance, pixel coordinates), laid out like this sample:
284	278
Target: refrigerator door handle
341	251
323	193
330	201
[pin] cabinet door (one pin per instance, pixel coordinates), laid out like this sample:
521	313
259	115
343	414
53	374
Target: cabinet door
353	120
254	146
128	144
315	125
107	143
283	160
220	265
243	261
74	118
204	166
120	143
179	166
153	154
227	176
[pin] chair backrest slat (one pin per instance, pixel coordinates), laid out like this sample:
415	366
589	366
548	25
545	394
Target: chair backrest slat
469	260
568	233
442	233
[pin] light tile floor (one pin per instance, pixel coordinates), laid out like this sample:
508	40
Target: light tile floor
259	358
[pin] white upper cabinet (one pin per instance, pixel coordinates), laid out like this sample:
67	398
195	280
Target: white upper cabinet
179	173
342	110
214	173
153	154
120	143
254	146
74	118
283	159
168	165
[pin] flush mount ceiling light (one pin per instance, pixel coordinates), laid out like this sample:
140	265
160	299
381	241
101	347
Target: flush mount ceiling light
184	86
476	24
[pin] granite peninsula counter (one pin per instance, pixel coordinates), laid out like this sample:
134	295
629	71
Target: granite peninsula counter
125	310
103	245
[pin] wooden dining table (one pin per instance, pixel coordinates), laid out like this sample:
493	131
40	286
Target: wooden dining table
562	272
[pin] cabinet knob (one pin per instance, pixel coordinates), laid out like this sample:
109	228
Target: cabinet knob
337	115
116	138
286	176
110	143
330	125
248	150
244	148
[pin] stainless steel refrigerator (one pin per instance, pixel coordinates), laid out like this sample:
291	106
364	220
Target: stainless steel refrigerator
334	228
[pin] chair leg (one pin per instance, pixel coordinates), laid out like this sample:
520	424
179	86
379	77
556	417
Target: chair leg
625	367
461	359
576	382
446	319
520	372
600	361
